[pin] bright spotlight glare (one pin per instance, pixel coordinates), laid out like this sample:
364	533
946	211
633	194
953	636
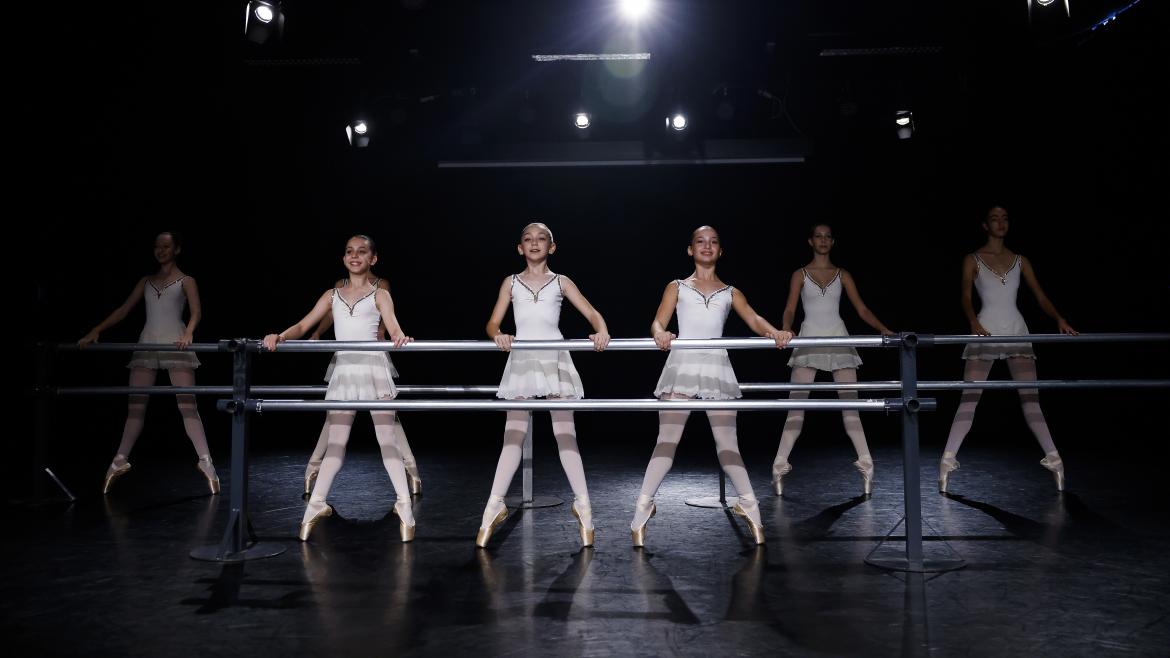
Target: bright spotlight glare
634	9
360	127
581	120
264	14
902	121
678	122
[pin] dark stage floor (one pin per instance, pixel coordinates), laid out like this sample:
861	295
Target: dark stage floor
1085	573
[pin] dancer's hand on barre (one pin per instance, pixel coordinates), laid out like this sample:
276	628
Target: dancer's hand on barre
400	340
978	329
185	340
1065	328
600	340
504	341
781	337
91	337
271	340
662	339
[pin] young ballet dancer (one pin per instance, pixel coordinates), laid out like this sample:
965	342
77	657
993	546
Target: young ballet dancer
357	309
535	296
165	292
314	466
818	287
703	303
995	272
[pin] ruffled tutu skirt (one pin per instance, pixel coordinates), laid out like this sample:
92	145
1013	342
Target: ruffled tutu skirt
540	374
1009	326
333	362
703	374
360	376
162	360
824	358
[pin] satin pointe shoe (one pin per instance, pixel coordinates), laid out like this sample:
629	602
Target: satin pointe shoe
865	467
1053	463
114	472
756	528
406	532
208	470
311	472
584	515
779	470
485	534
646	507
307	526
945	466
412	478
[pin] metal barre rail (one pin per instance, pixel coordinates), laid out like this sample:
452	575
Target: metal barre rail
762	387
884	404
1116	337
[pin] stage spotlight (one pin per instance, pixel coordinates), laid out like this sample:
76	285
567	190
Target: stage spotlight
904	120
581	120
634	9
262	20
678	121
358	134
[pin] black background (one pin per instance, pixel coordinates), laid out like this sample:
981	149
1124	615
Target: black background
135	119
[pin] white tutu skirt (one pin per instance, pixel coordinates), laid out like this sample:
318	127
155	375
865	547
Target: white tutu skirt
540	374
333	361
360	376
703	374
161	360
823	358
1012	326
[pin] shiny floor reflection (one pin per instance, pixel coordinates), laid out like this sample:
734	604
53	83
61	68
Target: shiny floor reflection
1046	574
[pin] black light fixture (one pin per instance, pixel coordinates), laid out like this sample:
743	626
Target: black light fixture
904	122
263	19
358	133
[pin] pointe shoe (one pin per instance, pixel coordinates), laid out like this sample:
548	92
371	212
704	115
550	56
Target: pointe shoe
585	512
945	466
1053	463
406	532
865	467
413	480
113	473
311	472
208	470
485	534
638	535
307	526
779	470
756	528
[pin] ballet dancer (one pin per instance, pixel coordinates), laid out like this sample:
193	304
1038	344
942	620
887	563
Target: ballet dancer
818	287
995	272
165	292
357	308
703	303
314	466
535	296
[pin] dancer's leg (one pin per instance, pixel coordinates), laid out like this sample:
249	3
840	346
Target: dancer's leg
670	430
192	423
975	370
515	427
795	420
392	461
1024	369
135	413
727	447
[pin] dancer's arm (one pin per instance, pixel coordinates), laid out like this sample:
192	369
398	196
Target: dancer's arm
600	337
970	268
191	289
1042	299
386	307
503	340
117	316
756	322
322	308
863	311
795	282
662	336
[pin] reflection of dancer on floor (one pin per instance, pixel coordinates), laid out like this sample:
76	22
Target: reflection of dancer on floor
703	303
408	462
357	309
995	271
166	293
818	286
535	296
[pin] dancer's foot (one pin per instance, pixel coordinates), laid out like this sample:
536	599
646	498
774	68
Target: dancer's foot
493	515
311	472
208	470
864	465
644	510
1053	463
117	469
779	470
945	466
313	515
749	508
584	514
406	523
